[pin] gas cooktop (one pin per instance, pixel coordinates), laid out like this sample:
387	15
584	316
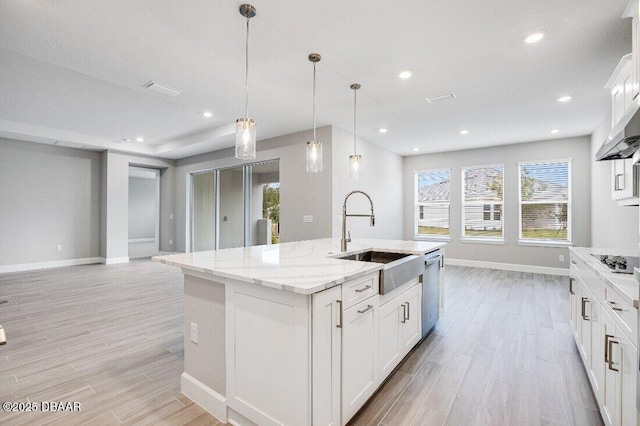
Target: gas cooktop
618	264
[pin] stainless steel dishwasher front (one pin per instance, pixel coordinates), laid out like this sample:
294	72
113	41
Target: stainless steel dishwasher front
431	291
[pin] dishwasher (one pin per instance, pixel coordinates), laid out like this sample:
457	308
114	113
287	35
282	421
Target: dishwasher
431	291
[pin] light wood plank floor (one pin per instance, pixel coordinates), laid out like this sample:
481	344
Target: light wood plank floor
110	337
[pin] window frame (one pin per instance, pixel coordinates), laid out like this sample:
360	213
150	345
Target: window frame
417	205
547	242
474	238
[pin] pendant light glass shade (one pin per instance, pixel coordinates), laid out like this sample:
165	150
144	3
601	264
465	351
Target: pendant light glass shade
314	156
314	147
246	127
245	139
355	160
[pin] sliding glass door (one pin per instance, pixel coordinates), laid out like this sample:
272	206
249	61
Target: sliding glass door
235	207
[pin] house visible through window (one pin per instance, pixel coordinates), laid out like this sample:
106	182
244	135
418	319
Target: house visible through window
482	202
545	201
432	203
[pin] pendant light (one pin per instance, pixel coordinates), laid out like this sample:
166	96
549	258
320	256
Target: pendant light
246	127
355	160
314	147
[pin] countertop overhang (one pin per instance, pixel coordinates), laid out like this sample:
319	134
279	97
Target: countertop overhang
303	267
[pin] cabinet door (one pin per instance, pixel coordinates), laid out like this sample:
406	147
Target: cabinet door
412	322
609	391
635	45
390	338
585	324
359	355
622	178
327	341
597	364
625	356
573	304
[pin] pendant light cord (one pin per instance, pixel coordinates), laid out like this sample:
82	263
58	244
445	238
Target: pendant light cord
355	101
246	74
314	102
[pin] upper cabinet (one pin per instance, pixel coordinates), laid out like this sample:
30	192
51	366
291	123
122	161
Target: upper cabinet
621	85
633	12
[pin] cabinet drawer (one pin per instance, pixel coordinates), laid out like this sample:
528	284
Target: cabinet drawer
588	275
625	315
359	289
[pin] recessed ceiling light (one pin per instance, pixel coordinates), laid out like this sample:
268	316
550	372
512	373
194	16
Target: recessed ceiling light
140	139
464	132
404	74
415	149
554	131
207	114
564	98
534	37
383	130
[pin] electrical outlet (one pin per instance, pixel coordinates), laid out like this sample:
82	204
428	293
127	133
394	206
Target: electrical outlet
561	258
307	218
194	332
59	247
170	217
170	241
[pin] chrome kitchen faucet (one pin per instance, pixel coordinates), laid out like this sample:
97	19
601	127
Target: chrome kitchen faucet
372	222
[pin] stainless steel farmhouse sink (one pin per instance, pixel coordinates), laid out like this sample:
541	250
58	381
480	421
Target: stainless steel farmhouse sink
398	267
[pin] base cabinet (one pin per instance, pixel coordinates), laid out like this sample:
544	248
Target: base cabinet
609	353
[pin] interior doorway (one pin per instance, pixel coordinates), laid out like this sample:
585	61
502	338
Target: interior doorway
144	212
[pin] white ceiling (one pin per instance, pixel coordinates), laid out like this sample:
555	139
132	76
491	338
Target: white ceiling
73	71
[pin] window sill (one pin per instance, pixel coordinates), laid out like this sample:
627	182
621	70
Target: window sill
431	238
496	241
543	243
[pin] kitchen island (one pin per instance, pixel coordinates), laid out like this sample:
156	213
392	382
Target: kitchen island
289	334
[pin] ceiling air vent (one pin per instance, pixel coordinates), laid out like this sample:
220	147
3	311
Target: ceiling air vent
163	90
442	97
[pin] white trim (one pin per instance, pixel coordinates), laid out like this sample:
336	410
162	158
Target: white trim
210	400
482	240
430	237
545	243
508	266
50	264
114	260
141	240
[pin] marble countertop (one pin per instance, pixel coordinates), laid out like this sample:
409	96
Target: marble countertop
625	285
303	267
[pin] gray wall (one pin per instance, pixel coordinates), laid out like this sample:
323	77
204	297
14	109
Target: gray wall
301	193
611	226
381	178
578	149
49	195
142	208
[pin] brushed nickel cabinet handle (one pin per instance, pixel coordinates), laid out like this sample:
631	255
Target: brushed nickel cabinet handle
408	314
573	262
571	280
613	305
610	361
368	308
339	325
404	313
619	182
584	316
365	288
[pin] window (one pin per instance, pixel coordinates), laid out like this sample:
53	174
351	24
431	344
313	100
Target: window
545	201
432	203
482	202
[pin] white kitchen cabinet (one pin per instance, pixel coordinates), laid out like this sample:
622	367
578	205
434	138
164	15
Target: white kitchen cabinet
327	350
632	12
605	325
400	328
359	355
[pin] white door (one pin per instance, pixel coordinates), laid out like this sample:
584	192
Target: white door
327	342
412	322
359	355
609	386
390	340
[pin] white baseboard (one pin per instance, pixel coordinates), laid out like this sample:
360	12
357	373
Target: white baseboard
212	402
507	266
141	240
114	260
50	264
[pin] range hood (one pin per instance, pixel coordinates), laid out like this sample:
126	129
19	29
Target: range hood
624	139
